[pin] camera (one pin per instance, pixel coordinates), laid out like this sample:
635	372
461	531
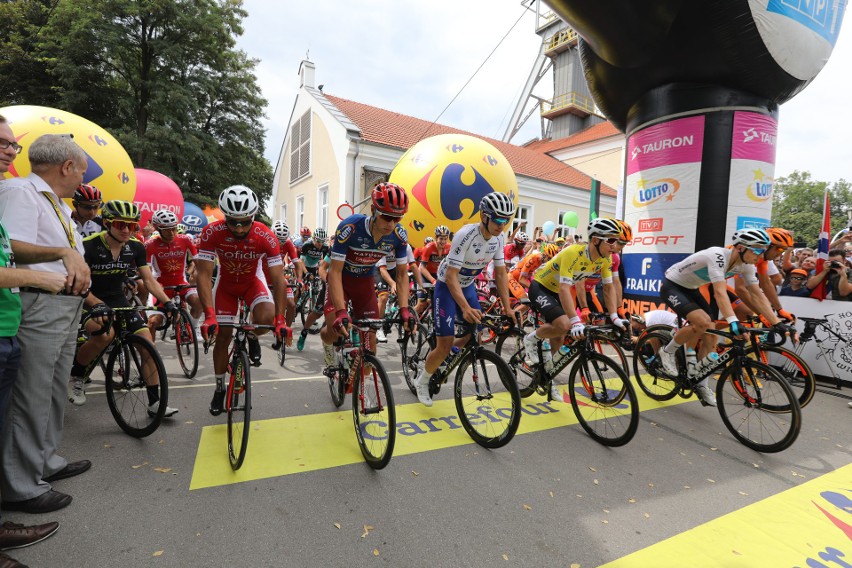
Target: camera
834	264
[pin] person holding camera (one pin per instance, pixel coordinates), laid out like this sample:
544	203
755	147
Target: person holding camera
837	274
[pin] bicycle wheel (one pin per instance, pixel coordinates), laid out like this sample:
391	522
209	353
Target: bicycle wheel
749	397
374	413
603	399
337	384
608	347
647	367
127	379
281	353
524	374
793	368
487	399
187	344
238	406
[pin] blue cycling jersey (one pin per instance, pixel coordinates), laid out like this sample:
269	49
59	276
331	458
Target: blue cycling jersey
355	246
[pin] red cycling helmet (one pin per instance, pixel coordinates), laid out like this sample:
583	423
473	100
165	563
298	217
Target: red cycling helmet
390	199
87	193
305	232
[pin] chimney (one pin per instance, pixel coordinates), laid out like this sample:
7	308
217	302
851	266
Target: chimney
307	70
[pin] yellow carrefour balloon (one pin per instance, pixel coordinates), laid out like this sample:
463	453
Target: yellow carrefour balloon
445	177
109	167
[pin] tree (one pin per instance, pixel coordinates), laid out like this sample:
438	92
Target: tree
797	205
164	77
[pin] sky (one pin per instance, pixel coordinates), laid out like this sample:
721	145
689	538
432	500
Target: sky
414	57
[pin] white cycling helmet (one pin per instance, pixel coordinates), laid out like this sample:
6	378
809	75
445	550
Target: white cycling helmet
496	204
320	234
752	238
164	219
603	227
238	201
281	230
522	237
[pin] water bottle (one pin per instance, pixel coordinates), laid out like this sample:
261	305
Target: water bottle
706	363
546	355
691	362
446	362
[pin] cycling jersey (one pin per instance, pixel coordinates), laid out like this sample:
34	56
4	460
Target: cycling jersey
571	265
168	260
312	253
359	251
706	266
239	259
512	253
108	272
470	252
288	250
591	282
527	266
431	258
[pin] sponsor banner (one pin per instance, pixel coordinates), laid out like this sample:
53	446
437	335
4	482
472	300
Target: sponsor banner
835	357
809	525
752	171
645	272
679	141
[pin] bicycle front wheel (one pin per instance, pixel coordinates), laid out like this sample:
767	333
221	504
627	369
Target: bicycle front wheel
374	413
187	344
648	369
134	364
793	368
603	399
238	406
487	399
749	396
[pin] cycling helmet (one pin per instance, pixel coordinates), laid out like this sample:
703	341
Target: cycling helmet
87	193
390	199
442	231
522	238
281	230
626	231
752	238
164	219
124	210
549	250
238	201
781	238
305	232
428	240
181	228
604	227
497	204
320	234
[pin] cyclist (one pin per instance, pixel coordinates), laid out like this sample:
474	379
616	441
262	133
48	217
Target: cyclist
418	251
360	242
168	253
87	200
551	290
313	252
304	235
514	251
241	244
768	275
294	269
680	290
591	288
110	254
430	258
520	276
473	247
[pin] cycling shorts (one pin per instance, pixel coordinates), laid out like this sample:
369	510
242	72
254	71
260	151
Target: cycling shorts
445	311
226	297
361	292
545	302
382	286
185	293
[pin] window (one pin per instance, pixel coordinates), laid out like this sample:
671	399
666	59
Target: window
524	214
561	230
300	147
283	213
322	207
300	213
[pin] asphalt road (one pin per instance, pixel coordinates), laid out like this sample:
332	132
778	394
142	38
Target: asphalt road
550	498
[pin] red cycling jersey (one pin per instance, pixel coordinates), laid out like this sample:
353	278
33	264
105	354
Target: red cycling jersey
169	259
431	258
513	253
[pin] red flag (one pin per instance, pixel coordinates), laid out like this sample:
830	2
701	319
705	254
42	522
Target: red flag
822	250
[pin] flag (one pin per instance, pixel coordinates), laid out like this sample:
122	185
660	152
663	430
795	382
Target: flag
822	250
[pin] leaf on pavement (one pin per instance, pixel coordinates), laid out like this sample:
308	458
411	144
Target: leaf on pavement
337	525
711	480
596	482
551	494
158	553
527	507
575	565
375	552
647	515
163	469
107	445
631	500
143	464
367	529
505	557
593	469
414	473
743	493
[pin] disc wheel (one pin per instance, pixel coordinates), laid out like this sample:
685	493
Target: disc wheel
133	364
238	407
487	399
374	413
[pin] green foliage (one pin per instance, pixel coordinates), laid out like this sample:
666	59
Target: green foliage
797	205
163	76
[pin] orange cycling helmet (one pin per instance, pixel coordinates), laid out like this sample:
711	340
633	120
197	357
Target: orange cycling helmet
781	238
626	231
390	199
550	250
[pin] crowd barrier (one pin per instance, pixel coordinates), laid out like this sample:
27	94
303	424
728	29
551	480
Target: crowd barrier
837	352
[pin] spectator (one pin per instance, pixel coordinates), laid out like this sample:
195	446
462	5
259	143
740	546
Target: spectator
838	275
797	286
808	264
801	255
14	535
44	238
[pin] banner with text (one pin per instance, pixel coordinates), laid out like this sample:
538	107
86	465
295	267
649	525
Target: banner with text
752	171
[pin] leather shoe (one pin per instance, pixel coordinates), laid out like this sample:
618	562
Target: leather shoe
13	535
9	562
69	470
44	503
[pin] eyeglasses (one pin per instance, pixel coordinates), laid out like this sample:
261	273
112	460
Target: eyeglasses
131	226
7	143
613	240
237	223
798	278
389	218
757	251
499	221
89	207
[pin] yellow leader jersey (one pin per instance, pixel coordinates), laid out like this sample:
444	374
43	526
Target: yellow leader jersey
571	265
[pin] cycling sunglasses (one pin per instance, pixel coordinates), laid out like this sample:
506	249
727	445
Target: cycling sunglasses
613	240
389	218
131	226
757	251
88	207
237	223
499	221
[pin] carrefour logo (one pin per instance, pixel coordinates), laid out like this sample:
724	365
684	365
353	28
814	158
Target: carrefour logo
651	191
760	187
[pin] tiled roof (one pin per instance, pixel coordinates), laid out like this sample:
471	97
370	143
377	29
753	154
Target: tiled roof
594	132
389	128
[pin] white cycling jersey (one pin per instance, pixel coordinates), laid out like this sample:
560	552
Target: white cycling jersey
470	252
709	265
